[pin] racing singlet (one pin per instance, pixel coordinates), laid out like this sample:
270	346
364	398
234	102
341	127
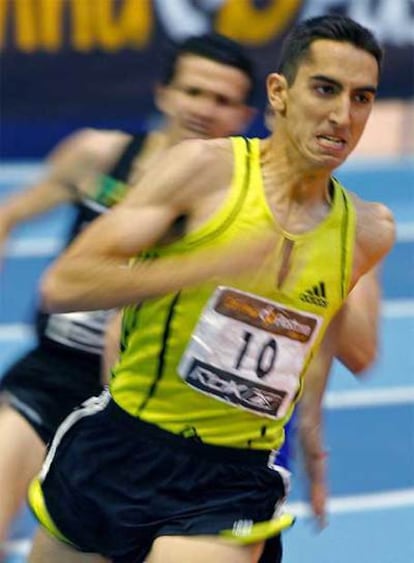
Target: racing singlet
85	331
225	363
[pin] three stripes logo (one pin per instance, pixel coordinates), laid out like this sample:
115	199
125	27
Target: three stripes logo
316	295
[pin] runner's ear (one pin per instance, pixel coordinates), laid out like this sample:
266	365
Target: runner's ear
161	96
276	92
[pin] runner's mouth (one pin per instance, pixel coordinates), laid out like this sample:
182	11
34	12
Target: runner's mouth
332	142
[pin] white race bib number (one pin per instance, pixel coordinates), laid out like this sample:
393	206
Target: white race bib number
249	351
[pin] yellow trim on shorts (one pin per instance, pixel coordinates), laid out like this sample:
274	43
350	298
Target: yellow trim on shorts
38	506
253	533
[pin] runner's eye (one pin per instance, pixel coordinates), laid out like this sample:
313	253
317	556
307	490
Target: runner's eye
192	92
224	101
363	98
326	89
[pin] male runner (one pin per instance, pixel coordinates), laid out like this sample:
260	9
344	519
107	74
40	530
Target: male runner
180	461
205	92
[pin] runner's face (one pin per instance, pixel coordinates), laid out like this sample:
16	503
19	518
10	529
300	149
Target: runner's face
329	102
205	99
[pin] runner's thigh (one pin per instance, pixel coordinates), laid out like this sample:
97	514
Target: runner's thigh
46	548
202	549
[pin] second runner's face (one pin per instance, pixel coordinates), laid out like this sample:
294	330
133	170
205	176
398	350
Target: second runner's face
205	99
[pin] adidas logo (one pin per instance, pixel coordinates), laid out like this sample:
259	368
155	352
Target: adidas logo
315	295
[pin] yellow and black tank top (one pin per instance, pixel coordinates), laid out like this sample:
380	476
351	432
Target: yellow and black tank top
225	362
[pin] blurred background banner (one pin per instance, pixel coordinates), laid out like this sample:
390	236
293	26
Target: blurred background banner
67	64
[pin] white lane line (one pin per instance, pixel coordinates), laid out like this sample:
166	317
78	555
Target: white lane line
361	398
378	163
38	247
397	308
21	173
338	505
17	547
369	397
47	246
28	171
360	503
391	309
16	332
405	231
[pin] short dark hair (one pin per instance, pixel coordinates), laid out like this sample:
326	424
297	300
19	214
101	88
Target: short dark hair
297	44
215	47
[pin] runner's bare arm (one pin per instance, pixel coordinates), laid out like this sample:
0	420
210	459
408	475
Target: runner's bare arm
310	424
375	236
357	344
358	339
92	273
73	161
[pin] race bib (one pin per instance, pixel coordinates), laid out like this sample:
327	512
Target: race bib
249	351
83	331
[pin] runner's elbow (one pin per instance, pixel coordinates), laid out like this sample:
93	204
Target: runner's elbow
53	296
362	359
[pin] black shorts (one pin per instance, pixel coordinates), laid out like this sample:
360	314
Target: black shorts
112	484
48	383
